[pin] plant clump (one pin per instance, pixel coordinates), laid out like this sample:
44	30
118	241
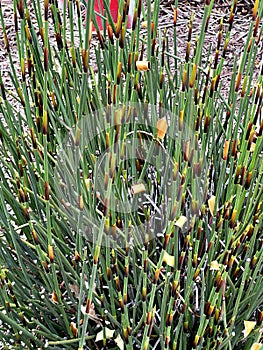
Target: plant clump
131	182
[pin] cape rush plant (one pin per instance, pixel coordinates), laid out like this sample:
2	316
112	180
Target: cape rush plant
131	181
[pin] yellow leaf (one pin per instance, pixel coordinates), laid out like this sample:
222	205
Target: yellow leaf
74	329
108	333
120	343
162	127
138	188
181	221
249	326
143	65
211	204
168	259
214	265
257	346
54	297
144	24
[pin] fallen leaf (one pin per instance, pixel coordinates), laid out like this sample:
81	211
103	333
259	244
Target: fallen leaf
54	297
108	333
120	343
74	329
74	289
211	204
249	326
162	127
214	265
143	65
168	259
137	188
92	314
144	25
181	221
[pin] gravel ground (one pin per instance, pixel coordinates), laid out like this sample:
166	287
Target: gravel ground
185	9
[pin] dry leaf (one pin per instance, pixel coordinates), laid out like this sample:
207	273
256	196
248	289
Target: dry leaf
74	289
181	221
249	326
137	188
168	259
108	333
162	127
211	204
74	329
91	310
54	297
83	309
143	65
214	265
144	25
120	343
92	314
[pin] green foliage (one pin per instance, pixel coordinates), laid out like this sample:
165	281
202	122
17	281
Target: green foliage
194	284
